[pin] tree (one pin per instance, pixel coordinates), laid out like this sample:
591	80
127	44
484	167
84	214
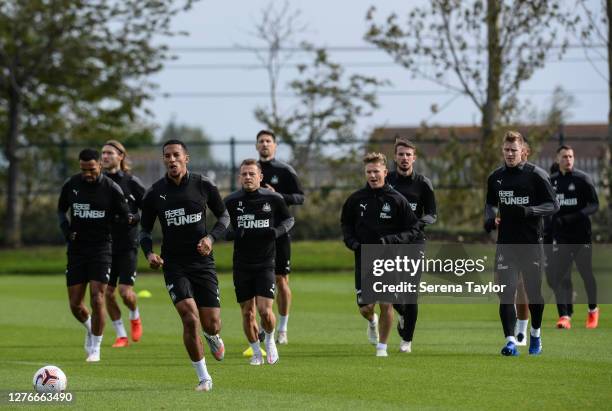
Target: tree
598	30
508	40
278	29
330	102
74	68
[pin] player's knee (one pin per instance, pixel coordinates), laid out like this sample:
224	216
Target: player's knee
248	315
266	314
282	284
190	321
386	309
75	306
366	310
212	325
97	300
109	293
125	293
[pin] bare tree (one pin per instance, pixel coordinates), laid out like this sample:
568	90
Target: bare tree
484	50
279	30
330	103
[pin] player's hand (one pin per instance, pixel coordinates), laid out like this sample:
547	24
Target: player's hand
72	236
490	224
204	246
497	221
155	261
269	187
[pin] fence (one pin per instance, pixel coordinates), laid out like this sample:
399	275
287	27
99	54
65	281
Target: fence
326	182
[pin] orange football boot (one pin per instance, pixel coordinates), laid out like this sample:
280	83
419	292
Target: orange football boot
136	330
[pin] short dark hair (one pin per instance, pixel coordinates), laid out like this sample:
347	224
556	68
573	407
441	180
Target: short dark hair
564	147
175	141
403	142
250	162
89	154
266	133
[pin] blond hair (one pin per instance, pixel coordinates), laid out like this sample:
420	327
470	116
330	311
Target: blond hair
125	162
250	162
375	158
512	135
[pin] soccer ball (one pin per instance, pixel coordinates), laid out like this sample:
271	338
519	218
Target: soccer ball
49	379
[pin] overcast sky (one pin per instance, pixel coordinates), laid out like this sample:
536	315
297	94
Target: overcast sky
332	24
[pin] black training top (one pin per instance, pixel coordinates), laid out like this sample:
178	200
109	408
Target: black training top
126	237
523	195
377	216
577	198
93	208
181	210
257	219
284	179
418	190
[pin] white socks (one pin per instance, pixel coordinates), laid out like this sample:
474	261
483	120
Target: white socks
119	329
381	346
87	324
96	342
268	337
535	332
282	322
256	348
511	339
134	315
521	326
200	369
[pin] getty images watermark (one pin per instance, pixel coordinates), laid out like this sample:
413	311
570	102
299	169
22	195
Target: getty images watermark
455	273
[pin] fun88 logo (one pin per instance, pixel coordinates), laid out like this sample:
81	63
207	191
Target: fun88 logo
177	217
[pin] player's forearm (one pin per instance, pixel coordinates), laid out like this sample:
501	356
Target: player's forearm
544	209
146	242
293	199
219	229
428	218
404	237
284	227
590	209
490	212
64	224
350	240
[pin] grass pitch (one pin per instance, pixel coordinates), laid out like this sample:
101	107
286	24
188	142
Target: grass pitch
328	364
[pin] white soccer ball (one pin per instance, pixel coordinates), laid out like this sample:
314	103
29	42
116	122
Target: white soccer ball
49	379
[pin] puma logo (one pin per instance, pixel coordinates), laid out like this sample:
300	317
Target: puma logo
241	209
76	192
363	206
163	196
498	181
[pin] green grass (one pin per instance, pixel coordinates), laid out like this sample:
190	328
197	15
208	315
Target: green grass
306	256
328	363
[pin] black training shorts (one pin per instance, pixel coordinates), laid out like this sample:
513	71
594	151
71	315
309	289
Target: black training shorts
82	269
123	268
192	280
249	283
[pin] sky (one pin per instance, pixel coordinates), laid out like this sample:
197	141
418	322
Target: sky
229	23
